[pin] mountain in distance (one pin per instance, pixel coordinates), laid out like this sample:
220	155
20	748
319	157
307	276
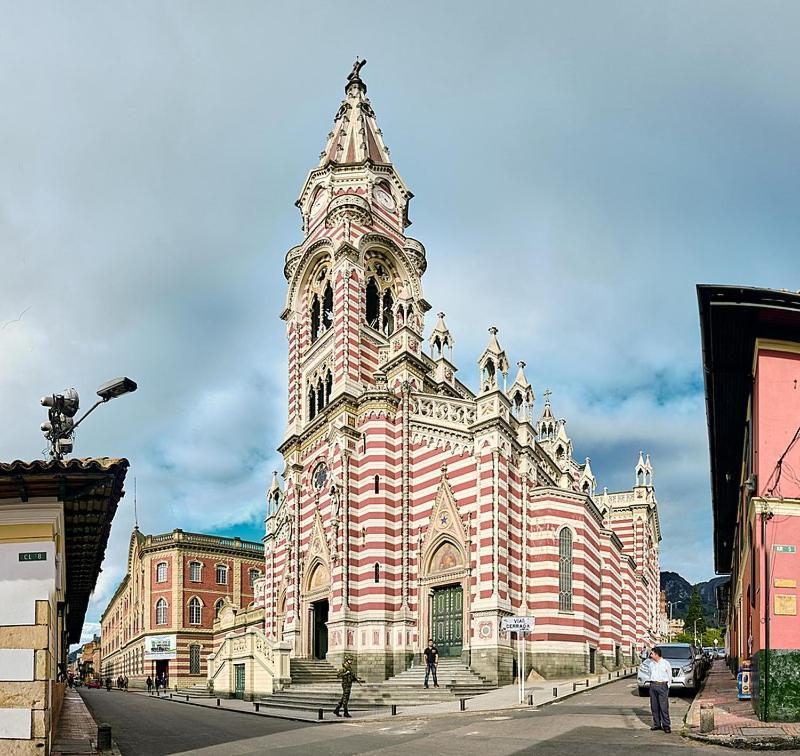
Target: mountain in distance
679	591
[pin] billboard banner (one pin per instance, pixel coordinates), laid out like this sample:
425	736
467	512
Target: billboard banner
158	647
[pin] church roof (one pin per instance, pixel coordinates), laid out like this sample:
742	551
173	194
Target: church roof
355	136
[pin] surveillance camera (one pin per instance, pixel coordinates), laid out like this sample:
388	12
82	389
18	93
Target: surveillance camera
116	387
46	427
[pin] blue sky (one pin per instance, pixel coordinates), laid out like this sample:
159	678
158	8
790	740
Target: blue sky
578	168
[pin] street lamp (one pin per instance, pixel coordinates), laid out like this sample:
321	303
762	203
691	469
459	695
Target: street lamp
694	632
669	629
60	426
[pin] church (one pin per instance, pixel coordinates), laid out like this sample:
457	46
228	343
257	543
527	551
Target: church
413	505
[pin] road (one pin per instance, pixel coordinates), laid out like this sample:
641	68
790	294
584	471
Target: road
608	720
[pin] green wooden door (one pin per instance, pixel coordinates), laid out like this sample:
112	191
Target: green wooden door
448	620
239	672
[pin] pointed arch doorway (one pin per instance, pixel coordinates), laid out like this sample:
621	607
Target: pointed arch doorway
447	619
317	602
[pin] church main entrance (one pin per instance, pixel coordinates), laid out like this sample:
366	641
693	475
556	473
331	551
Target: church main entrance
447	621
320	632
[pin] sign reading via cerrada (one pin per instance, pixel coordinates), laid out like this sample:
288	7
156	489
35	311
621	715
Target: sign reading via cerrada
518	624
784	549
32	556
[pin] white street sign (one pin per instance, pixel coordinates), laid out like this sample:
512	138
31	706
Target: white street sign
518	624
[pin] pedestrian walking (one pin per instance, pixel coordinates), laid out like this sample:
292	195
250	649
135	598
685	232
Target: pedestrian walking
149	683
125	683
71	680
108	684
660	678
348	677
431	654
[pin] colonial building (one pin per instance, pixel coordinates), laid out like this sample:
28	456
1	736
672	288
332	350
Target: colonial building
413	505
55	517
160	620
751	364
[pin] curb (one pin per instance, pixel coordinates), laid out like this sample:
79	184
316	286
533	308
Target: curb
786	743
407	716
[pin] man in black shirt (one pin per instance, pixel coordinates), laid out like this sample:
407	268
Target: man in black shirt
431	660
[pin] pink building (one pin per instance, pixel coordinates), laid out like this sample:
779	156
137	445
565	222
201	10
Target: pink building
413	505
751	359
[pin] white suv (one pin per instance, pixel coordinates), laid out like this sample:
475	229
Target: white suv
686	668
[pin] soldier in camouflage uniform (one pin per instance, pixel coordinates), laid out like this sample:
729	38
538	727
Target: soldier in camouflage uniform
347	676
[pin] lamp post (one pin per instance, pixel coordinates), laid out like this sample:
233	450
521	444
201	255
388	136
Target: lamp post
694	633
60	426
669	629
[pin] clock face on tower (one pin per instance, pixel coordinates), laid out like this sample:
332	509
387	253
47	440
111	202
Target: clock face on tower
319	201
384	198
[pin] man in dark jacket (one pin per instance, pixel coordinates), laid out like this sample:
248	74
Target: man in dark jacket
348	677
431	654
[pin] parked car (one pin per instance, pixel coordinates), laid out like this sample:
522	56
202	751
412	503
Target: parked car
710	653
94	684
721	653
686	663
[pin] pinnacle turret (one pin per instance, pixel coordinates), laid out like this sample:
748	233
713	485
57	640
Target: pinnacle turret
492	364
521	395
355	136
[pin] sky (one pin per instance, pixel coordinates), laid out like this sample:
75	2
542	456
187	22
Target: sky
577	168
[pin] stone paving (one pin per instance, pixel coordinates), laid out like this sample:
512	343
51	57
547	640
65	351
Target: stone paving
76	730
736	724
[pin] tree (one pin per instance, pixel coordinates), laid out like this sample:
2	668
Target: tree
711	635
695	612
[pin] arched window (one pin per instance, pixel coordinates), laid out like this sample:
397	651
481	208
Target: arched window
377	484
565	570
315	319
377	572
218	607
312	403
327	307
373	308
194	659
194	571
328	387
254	575
388	315
161	612
194	610
222	574
161	572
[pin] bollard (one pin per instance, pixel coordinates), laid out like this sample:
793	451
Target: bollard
257	705
394	710
609	675
319	714
706	717
530	699
463	702
218	702
187	699
574	687
587	683
170	696
104	737
555	692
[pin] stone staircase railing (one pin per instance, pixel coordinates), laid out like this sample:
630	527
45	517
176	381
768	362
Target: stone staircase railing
266	664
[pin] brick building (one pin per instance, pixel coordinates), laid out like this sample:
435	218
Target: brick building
411	504
160	620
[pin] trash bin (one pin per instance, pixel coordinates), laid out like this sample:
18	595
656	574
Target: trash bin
743	682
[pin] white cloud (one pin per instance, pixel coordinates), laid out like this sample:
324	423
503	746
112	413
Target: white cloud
576	173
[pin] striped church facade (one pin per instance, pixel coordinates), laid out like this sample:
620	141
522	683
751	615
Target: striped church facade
412	506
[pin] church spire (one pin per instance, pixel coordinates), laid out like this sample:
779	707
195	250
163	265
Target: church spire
355	136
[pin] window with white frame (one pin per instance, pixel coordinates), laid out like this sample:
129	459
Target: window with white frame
565	570
194	571
218	607
222	574
254	575
161	612
194	610
161	572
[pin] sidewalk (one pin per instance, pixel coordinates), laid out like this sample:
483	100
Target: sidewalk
736	724
76	731
507	697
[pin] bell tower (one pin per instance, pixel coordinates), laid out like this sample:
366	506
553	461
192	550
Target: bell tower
354	295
